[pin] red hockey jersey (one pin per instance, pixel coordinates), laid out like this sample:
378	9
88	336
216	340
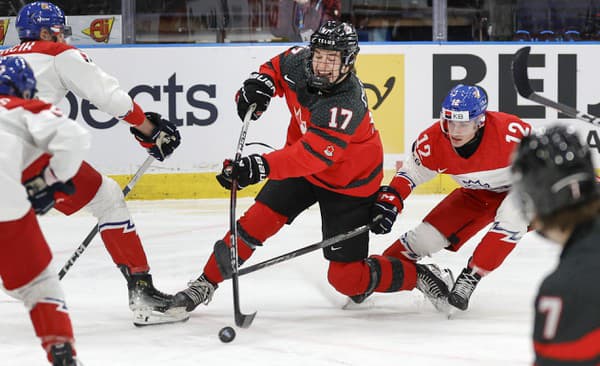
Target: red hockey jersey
331	139
488	168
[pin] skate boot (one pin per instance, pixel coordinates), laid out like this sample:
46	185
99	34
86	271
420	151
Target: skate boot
62	355
199	291
435	284
149	305
463	289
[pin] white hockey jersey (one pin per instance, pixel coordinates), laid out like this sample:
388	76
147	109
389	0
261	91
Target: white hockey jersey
488	168
60	68
28	130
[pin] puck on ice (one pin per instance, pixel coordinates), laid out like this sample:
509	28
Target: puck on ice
227	334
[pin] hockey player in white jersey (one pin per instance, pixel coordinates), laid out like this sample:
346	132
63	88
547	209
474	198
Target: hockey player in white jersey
473	146
60	68
28	129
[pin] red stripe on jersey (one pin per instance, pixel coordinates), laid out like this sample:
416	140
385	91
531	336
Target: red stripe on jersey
32	105
136	116
584	348
45	47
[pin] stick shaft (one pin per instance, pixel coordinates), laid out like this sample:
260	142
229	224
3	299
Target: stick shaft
92	234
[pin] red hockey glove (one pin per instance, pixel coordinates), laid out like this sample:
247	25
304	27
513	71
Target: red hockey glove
383	213
249	170
259	89
163	140
41	189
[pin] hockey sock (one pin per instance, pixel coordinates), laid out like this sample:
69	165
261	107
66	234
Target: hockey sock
351	278
397	251
490	253
396	274
355	278
124	246
257	224
52	323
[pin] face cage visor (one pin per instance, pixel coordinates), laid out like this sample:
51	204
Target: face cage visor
55	30
460	119
323	83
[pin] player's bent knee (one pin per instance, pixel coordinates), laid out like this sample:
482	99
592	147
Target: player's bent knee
45	286
349	278
425	240
109	203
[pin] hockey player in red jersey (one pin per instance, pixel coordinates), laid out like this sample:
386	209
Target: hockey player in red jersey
473	146
333	156
554	180
60	68
28	129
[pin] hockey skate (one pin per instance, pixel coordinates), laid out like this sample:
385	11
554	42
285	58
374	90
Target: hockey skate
199	291
62	355
149	306
463	289
435	284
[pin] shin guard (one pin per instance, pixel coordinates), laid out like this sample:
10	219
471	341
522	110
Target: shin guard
257	224
52	323
492	250
124	246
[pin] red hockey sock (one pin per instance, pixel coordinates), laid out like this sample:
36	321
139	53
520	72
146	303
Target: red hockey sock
396	274
351	278
52	323
257	224
125	248
490	253
396	250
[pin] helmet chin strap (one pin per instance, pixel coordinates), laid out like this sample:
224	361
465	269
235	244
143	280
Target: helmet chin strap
322	83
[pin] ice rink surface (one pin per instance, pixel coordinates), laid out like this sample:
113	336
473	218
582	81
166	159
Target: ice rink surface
300	320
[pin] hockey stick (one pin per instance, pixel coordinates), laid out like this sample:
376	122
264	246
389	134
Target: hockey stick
88	239
241	320
290	255
521	80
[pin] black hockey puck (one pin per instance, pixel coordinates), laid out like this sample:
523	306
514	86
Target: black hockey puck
227	334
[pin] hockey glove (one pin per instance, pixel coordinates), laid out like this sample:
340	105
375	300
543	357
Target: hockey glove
383	213
163	140
259	89
249	170
41	189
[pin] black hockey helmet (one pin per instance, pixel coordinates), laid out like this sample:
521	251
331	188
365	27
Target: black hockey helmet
336	36
552	171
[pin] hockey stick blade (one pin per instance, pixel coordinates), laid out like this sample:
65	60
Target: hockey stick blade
90	236
519	72
521	81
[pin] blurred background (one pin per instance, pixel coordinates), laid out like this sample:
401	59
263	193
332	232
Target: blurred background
222	21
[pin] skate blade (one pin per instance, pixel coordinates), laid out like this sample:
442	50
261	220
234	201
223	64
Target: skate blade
145	317
351	305
441	305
